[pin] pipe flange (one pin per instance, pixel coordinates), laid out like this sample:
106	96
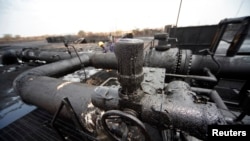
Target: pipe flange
178	64
184	62
190	63
175	63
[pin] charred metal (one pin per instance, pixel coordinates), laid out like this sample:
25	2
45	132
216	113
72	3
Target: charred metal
163	93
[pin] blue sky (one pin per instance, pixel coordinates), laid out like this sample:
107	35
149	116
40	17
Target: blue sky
41	17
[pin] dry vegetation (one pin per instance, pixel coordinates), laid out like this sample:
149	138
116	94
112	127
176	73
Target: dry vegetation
17	38
136	32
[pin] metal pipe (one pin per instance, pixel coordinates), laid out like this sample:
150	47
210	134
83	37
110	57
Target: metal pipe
48	56
47	93
98	60
210	77
213	94
217	99
129	54
36	88
85	75
201	90
176	108
162	59
57	68
106	81
229	66
103	60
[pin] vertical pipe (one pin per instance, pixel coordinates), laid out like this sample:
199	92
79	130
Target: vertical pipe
213	94
129	54
217	99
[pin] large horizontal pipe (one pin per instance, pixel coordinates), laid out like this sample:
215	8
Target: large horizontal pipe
98	60
229	67
37	88
58	68
47	93
48	56
162	59
103	60
237	67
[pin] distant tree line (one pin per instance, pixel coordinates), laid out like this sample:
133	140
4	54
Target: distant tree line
103	36
136	32
16	38
146	31
9	37
90	36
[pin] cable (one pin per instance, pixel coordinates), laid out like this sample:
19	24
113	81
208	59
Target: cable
82	65
216	62
212	56
242	1
178	14
150	43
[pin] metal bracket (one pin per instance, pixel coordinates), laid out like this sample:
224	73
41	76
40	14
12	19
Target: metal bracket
65	102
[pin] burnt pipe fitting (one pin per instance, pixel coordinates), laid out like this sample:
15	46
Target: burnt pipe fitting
129	54
177	109
106	98
162	59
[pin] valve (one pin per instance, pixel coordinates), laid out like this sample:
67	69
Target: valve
123	126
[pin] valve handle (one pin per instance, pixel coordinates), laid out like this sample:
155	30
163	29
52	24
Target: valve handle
126	118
